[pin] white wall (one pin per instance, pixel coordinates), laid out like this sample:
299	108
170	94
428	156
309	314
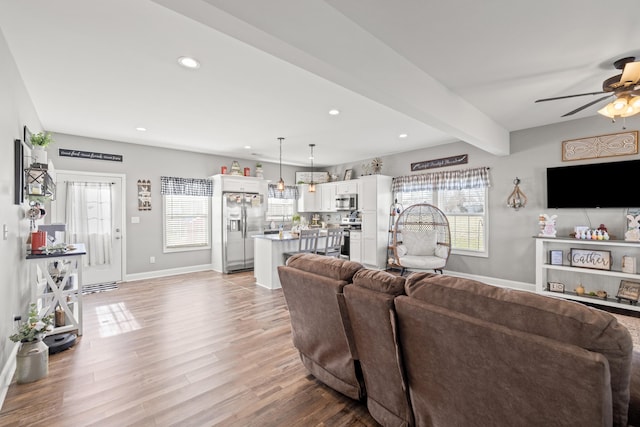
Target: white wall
16	110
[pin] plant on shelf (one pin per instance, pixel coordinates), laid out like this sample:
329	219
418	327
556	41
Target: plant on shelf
35	328
42	139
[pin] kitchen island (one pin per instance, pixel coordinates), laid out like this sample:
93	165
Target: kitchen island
268	255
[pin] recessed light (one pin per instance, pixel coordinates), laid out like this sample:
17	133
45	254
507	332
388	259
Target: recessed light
247	147
188	62
141	129
403	135
334	112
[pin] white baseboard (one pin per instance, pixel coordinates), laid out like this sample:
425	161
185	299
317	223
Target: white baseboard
168	272
7	373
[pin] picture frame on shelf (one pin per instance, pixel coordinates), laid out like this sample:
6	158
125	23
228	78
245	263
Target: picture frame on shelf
589	258
629	291
556	287
628	264
556	257
347	174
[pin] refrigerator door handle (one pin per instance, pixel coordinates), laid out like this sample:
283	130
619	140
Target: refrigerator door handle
244	222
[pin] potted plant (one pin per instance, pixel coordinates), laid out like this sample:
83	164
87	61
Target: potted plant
40	141
32	360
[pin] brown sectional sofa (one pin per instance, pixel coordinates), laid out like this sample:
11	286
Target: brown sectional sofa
436	350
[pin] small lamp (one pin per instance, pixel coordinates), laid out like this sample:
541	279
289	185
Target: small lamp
516	199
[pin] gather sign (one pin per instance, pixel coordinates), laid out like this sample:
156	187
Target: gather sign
586	258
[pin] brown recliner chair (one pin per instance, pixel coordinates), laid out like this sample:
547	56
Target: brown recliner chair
369	301
476	354
312	286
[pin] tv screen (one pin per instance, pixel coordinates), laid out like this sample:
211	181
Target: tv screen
598	185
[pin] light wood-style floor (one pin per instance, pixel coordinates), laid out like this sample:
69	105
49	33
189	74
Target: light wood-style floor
199	349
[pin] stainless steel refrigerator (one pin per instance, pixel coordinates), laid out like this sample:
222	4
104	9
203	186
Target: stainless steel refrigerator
242	217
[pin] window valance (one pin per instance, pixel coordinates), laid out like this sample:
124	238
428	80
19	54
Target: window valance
172	186
290	192
447	180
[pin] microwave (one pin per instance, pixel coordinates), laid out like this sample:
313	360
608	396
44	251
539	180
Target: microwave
346	202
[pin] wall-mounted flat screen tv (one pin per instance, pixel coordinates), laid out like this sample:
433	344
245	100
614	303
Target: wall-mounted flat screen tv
597	185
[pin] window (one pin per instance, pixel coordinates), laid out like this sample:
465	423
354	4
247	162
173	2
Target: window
465	208
186	213
186	223
281	205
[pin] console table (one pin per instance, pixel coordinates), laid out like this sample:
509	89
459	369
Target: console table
65	290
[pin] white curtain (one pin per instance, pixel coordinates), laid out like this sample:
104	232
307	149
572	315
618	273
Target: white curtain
88	214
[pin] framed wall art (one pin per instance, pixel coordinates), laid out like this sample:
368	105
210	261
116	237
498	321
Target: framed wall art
594	147
588	258
629	291
556	257
556	287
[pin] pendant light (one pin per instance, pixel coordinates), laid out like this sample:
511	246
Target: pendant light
312	185
281	182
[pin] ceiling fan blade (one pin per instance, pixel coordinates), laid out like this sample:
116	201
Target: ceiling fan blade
631	74
585	106
569	96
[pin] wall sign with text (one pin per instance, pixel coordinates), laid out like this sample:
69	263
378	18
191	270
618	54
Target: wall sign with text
63	152
440	163
599	260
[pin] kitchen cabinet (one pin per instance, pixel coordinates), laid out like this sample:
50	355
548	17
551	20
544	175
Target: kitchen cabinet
591	279
244	184
307	202
347	187
323	200
355	246
327	195
374	199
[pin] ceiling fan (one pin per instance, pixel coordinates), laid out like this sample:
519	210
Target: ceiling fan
625	87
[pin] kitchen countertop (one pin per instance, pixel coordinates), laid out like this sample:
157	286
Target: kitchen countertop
286	235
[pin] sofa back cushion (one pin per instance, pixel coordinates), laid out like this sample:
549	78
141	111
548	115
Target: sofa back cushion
312	286
562	320
369	302
464	371
330	267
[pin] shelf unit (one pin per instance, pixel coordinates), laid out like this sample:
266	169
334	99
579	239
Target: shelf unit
592	279
66	292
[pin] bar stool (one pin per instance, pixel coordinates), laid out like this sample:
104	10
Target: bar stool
333	243
307	243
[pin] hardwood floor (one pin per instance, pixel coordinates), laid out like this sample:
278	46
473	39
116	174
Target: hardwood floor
198	349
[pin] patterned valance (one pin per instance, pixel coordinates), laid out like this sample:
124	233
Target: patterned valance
447	180
290	192
172	186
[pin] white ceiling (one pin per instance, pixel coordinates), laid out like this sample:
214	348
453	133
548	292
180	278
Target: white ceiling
439	71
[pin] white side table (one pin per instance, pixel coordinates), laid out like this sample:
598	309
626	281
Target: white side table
66	293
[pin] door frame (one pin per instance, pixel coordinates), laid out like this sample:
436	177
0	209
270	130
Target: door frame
123	207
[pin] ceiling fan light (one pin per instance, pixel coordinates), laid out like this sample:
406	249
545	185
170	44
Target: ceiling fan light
607	111
630	111
635	102
620	103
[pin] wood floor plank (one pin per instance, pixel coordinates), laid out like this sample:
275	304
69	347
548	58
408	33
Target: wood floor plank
198	349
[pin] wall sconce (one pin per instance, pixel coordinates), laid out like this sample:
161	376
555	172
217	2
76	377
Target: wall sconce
516	199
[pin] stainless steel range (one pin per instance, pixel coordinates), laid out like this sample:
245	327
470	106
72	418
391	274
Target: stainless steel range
352	222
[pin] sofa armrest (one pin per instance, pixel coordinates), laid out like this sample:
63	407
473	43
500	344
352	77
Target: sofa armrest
634	390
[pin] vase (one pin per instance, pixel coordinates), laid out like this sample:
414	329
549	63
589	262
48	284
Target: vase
39	155
32	361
